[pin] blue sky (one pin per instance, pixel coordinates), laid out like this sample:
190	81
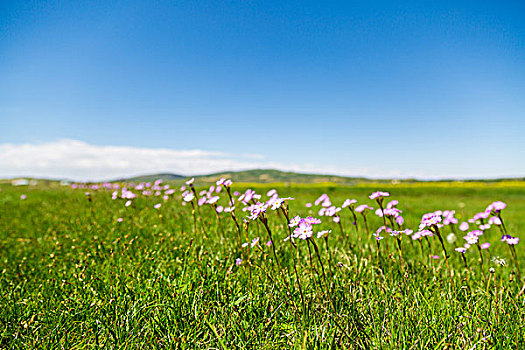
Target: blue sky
385	88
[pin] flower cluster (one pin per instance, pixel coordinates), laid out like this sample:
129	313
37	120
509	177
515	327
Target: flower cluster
492	213
422	233
327	209
275	202
430	220
248	196
256	210
496	207
392	212
448	217
324	200
224	182
304	227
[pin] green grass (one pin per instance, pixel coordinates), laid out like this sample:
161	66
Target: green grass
72	277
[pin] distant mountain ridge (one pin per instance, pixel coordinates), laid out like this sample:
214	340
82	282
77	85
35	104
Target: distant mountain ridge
153	177
273	176
252	176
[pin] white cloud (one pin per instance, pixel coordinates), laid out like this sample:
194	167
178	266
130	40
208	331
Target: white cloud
77	160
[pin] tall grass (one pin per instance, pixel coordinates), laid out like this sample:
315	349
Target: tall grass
72	276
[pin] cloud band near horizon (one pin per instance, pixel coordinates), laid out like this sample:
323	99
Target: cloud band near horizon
80	161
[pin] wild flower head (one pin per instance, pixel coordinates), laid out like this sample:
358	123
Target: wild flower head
481	216
510	240
499	261
188	197
303	231
253	243
322	199
275	202
323	233
494	220
303	227
256	210
496	207
471	238
363	208
430	220
349	203
378	195
449	217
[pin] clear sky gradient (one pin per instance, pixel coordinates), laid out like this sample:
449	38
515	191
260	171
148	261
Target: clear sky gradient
382	88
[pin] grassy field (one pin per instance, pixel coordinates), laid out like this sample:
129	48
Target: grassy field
87	272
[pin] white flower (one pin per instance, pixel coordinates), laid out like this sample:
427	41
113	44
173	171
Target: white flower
295	221
499	261
348	202
256	210
213	200
323	233
471	239
275	203
271	193
189	197
304	231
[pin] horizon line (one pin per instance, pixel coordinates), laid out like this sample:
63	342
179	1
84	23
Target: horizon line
349	177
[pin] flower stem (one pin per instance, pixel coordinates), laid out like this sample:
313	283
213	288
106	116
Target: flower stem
326	287
515	256
481	260
295	259
444	252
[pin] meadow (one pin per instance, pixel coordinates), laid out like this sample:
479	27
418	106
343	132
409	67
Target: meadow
177	266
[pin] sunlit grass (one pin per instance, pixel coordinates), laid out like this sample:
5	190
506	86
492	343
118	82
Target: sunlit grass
73	277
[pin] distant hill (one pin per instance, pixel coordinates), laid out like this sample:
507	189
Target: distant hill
153	177
254	176
271	176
